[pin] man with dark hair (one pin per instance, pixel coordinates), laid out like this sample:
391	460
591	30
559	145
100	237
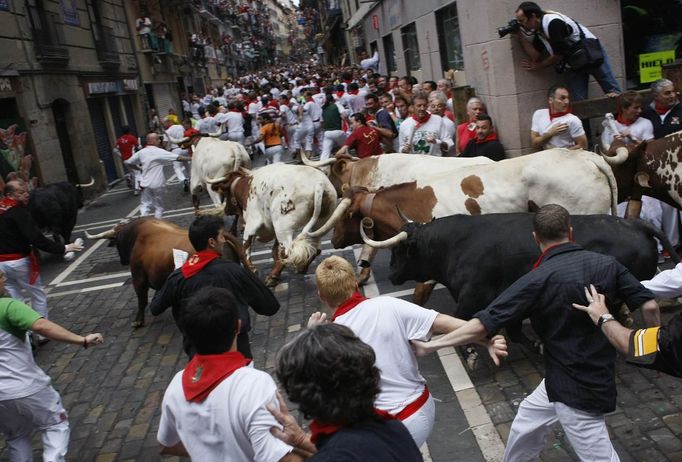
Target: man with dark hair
428	86
125	144
549	37
214	409
331	374
364	139
486	142
423	132
580	385
379	119
556	127
205	269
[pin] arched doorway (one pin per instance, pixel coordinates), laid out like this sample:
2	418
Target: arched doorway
61	114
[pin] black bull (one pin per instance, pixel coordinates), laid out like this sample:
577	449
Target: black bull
55	208
478	257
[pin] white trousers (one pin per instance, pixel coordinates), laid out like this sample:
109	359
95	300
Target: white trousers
652	212
421	422
180	168
18	273
152	198
333	139
671	223
274	154
21	418
304	136
237	137
292	135
586	431
318	135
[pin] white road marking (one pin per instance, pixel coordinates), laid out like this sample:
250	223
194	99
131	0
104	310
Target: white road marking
85	289
97	278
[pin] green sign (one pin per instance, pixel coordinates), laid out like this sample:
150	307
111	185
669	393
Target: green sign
650	64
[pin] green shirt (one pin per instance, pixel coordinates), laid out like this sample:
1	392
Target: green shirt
16	317
331	118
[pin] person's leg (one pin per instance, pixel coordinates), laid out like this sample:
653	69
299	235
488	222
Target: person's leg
146	202
18	273
604	76
365	262
157	202
531	426
587	433
276	152
327	145
421	422
576	81
671	223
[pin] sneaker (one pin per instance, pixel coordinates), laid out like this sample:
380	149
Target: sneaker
185	185
364	275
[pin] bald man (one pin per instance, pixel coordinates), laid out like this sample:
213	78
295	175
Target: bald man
150	161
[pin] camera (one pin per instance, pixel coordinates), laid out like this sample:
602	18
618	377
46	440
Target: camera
512	26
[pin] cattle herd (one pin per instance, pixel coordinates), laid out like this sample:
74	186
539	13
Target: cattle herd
463	222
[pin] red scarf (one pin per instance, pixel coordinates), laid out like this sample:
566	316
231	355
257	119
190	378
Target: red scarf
198	261
556	115
310	99
339	94
319	429
492	136
423	120
348	305
622	121
353	92
542	256
205	372
191	132
234	110
5	204
660	109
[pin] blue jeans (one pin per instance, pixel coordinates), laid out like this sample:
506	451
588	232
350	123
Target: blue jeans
577	80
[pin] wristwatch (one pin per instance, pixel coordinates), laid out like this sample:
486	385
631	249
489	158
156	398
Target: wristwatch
605	318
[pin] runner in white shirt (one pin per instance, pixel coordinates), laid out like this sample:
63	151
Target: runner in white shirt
152	180
423	133
234	123
388	325
306	130
214	410
556	127
177	132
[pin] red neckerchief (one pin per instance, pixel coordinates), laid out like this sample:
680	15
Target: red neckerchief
310	99
556	115
491	137
318	429
423	120
191	132
205	372
339	94
347	82
622	121
660	109
235	110
353	92
348	305
198	261
542	256
7	203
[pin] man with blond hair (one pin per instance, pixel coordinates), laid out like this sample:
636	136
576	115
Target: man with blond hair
388	325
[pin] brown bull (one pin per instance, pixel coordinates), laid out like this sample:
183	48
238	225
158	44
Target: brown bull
146	244
651	168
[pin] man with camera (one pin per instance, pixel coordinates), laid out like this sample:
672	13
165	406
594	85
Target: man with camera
553	39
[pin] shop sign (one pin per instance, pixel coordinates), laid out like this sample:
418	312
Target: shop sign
650	65
130	84
70	12
95	88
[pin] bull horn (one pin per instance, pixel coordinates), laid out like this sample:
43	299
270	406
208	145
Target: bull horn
621	156
237	163
316	163
92	181
177	140
216	133
367	222
336	216
395	240
215	180
403	216
110	234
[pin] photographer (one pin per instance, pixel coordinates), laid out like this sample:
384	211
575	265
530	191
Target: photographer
550	38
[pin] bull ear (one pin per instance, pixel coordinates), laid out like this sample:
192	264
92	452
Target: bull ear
339	166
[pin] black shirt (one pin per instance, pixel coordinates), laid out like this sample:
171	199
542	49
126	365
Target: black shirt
18	232
376	441
247	289
491	149
671	124
666	355
579	360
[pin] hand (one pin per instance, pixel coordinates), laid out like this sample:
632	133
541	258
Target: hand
317	318
597	305
73	247
431	139
291	433
406	148
557	128
497	348
94	339
529	65
421	348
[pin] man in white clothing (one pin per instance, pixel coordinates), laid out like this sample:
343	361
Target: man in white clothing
388	325
152	180
177	132
233	123
369	64
556	127
423	133
215	408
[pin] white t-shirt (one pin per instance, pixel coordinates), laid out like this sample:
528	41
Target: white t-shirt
388	324
308	112
433	127
152	159
541	125
232	424
641	129
372	63
357	102
287	115
207	125
234	122
176	132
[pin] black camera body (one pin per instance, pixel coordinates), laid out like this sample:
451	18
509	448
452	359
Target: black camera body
512	26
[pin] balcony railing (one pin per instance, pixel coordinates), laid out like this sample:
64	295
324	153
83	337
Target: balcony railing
48	38
105	44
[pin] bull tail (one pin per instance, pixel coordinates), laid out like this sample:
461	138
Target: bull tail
605	169
660	235
303	249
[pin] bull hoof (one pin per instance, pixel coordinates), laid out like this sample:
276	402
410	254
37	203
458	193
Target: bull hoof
271	281
137	324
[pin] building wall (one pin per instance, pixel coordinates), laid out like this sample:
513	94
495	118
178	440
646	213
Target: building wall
491	64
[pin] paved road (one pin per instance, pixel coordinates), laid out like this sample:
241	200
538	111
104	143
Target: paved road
113	392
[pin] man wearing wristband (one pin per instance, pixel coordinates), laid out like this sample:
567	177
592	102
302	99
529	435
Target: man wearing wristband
28	403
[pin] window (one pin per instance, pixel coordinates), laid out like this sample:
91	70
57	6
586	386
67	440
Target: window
389	49
448	36
411	47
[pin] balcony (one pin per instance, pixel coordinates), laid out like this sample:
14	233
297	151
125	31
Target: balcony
48	38
105	45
